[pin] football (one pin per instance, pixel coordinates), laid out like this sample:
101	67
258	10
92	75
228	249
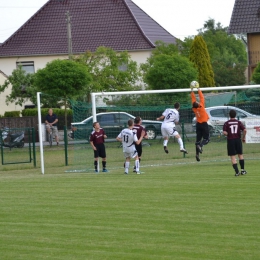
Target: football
194	84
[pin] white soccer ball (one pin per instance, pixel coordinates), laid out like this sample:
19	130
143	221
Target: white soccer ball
194	84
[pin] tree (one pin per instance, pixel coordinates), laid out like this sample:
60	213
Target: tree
227	52
64	79
110	71
254	94
256	74
22	86
199	56
169	72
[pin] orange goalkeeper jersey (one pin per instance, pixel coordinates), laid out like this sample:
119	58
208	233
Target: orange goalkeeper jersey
200	112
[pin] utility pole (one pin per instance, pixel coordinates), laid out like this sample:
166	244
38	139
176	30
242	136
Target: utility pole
69	34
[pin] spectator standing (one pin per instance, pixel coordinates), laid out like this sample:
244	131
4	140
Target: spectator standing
51	120
171	117
129	138
97	139
232	129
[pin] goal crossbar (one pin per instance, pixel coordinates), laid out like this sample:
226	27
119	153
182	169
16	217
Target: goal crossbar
141	92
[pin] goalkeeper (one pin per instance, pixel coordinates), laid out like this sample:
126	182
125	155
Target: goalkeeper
202	128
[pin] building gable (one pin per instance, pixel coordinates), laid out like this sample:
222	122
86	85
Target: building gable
118	24
245	17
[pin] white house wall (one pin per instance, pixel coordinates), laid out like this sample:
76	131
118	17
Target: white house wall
7	65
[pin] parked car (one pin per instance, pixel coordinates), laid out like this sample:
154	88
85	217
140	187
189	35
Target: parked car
112	123
218	115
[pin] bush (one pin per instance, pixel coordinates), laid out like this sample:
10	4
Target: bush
12	114
44	112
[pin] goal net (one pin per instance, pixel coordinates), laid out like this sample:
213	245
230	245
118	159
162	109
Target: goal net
113	109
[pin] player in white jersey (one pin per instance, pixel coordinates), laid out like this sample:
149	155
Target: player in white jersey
129	139
171	117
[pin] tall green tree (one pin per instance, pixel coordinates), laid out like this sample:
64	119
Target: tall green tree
169	72
199	56
227	53
64	79
110	71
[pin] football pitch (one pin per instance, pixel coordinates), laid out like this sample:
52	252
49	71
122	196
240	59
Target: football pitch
180	211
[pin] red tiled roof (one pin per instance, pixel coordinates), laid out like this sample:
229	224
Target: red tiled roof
245	17
118	24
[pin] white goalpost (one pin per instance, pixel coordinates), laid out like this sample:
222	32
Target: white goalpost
143	92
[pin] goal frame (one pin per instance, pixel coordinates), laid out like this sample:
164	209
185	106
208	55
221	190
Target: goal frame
142	92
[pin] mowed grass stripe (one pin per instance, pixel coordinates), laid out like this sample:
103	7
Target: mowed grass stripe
170	212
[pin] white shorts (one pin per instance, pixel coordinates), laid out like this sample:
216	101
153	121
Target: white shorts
169	131
131	154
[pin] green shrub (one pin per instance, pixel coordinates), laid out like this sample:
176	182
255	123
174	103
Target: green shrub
44	112
12	114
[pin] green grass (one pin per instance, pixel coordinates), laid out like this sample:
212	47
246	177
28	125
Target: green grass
178	211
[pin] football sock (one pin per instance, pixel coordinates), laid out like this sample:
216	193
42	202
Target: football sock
137	165
242	164
165	142
235	168
95	164
104	164
127	164
180	142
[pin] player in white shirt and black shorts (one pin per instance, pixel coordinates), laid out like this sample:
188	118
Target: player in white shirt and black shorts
171	117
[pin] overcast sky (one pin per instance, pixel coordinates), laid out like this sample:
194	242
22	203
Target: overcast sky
182	18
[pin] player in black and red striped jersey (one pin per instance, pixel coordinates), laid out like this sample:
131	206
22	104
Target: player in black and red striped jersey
232	129
97	139
138	128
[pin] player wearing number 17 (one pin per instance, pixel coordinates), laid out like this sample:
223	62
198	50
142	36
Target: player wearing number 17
232	129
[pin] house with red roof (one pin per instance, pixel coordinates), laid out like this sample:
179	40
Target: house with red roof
117	24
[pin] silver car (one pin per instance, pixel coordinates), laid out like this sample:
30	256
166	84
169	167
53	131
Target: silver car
112	123
218	115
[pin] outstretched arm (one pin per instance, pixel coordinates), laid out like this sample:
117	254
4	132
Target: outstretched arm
160	118
202	100
193	97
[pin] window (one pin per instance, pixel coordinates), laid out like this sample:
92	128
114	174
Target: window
240	114
107	119
217	113
28	66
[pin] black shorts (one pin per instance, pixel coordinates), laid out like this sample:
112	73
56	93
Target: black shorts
234	146
139	149
202	131
100	152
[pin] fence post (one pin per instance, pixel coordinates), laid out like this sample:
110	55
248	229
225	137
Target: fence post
183	136
66	145
34	152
